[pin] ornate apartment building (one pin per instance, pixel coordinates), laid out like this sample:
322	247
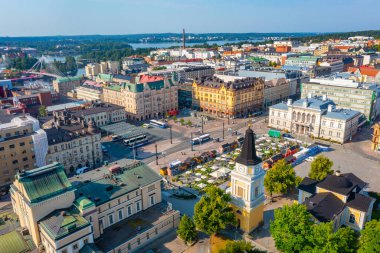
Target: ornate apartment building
149	97
276	91
101	114
315	116
234	98
73	142
63	217
23	146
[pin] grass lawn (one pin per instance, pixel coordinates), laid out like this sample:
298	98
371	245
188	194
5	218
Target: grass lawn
218	242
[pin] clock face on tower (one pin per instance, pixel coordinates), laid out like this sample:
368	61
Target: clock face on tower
241	169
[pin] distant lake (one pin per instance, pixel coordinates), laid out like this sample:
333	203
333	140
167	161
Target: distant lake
178	44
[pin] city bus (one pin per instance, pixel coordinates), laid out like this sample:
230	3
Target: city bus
157	123
201	139
136	141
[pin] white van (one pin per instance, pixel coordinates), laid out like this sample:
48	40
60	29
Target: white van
81	170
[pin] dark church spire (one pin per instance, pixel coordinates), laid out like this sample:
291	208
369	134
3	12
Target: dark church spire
248	152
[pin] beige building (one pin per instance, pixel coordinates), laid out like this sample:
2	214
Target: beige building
66	218
89	93
148	98
73	142
315	116
64	85
276	91
101	114
23	146
92	69
233	97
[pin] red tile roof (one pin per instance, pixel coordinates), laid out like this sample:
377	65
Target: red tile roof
369	71
148	79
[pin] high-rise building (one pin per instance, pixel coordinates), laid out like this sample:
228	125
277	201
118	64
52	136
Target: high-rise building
247	186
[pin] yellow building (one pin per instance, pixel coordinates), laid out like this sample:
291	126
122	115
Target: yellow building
234	98
339	198
247	186
376	137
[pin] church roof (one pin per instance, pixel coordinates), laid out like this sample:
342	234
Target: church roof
248	153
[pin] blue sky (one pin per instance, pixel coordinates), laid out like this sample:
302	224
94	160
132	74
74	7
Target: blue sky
73	17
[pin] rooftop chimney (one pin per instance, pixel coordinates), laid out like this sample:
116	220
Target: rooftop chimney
330	108
309	95
290	101
324	97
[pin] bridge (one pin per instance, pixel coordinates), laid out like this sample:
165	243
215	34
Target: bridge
45	68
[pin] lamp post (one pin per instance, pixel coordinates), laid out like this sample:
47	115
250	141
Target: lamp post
171	136
155	145
191	141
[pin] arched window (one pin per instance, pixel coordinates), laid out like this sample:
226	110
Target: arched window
308	118
298	116
313	119
294	116
303	117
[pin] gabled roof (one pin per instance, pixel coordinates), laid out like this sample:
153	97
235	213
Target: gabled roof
308	185
314	103
324	206
369	71
339	184
45	182
148	79
359	202
61	223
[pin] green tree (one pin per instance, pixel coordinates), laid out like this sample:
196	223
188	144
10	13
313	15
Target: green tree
290	228
213	212
186	229
189	123
42	111
239	247
182	121
322	238
369	240
280	178
321	167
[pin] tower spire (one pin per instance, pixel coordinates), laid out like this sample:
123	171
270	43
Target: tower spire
248	153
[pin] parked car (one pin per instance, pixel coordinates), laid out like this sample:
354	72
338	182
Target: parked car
310	158
146	125
287	136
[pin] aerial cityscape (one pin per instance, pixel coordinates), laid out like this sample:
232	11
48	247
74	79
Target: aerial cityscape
190	126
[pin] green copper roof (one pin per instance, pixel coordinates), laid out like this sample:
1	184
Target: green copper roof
45	182
106	77
139	87
13	243
83	203
61	223
113	87
105	189
68	79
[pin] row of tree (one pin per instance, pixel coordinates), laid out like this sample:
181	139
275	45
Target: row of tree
68	67
22	63
294	230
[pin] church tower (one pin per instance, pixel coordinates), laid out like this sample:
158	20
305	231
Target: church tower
247	186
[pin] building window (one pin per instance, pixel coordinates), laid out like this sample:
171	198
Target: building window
12	146
330	133
352	219
324	123
120	214
64	251
331	124
15	161
156	231
152	200
110	219
75	246
138	241
138	206
129	246
339	125
85	241
101	223
1	148
256	191
129	210
22	144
